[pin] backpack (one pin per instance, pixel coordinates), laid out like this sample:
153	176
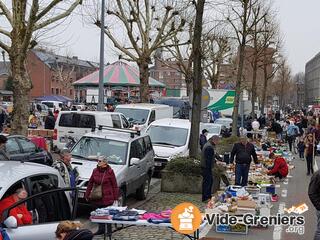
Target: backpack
3	234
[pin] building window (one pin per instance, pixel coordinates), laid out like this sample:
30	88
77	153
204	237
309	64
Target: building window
71	92
52	90
160	75
57	91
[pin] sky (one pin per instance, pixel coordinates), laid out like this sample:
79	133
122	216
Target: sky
299	22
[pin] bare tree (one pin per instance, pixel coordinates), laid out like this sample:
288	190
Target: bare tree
240	19
148	25
216	49
24	19
65	76
197	78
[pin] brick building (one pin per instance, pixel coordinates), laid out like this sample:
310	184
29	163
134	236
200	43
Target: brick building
168	73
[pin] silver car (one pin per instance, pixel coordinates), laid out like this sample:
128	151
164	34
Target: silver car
129	154
46	190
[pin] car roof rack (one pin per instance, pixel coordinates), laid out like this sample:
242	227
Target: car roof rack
131	131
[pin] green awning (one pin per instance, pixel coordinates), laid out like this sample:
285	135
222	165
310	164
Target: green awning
226	102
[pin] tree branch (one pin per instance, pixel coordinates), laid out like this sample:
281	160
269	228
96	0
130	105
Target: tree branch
6	12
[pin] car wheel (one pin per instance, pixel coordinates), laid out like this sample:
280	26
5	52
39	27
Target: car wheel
143	191
123	198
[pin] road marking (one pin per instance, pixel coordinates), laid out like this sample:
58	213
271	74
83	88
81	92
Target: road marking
284	193
278	228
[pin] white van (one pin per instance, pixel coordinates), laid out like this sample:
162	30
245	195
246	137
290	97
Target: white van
75	124
141	115
170	138
53	105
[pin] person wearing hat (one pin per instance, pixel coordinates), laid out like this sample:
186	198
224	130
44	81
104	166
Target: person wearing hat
69	174
243	152
207	164
3	153
102	190
203	138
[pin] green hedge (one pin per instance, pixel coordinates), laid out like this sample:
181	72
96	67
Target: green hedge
185	166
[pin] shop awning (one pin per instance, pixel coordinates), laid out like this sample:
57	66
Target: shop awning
117	74
226	102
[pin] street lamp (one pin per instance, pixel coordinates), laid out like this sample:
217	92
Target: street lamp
100	106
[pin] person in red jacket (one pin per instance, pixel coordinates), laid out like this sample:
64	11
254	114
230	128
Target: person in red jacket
280	167
103	175
20	212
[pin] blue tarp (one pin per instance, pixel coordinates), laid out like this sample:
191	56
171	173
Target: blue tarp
54	98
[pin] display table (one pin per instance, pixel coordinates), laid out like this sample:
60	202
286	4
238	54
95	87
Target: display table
109	223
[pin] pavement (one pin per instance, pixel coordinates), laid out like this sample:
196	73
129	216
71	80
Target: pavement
292	191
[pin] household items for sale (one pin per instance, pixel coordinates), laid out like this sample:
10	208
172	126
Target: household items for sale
126	215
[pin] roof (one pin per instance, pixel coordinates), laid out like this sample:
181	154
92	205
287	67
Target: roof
172	122
116	74
51	60
111	135
142	106
12	171
4	68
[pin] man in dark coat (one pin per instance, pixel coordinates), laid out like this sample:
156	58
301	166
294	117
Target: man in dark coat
50	121
203	138
243	152
207	164
314	195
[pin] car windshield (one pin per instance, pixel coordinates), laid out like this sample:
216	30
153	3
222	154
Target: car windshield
212	129
90	147
171	136
135	116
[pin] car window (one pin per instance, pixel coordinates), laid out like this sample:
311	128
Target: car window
13	189
148	144
86	121
27	145
125	122
12	146
67	120
116	121
137	149
152	117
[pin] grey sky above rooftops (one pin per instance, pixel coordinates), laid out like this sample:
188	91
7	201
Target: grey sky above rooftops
299	22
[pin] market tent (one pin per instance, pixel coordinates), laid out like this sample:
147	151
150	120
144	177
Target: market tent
226	102
116	74
58	98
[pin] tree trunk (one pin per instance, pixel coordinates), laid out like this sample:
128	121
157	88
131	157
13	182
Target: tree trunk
265	86
189	85
144	81
197	80
21	87
254	86
238	88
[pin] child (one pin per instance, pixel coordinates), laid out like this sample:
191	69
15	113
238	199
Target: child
301	148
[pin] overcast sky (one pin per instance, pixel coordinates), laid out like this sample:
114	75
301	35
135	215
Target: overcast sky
299	21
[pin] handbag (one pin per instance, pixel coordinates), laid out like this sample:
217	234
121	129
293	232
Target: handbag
96	192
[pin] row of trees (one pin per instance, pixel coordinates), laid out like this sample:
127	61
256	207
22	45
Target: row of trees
240	32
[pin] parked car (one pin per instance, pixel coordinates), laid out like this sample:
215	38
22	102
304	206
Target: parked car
141	115
22	149
213	129
46	190
224	122
76	124
181	107
129	154
170	138
53	105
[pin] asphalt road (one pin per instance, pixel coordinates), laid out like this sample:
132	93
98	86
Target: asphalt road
291	192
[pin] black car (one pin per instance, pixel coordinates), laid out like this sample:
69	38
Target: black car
20	148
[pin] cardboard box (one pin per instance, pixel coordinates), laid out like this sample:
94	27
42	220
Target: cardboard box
246	204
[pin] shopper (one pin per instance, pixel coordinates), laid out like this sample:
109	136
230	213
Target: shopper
3	152
276	127
50	121
243	152
203	138
309	152
207	164
279	168
68	230
69	174
292	133
301	148
21	213
314	195
102	190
